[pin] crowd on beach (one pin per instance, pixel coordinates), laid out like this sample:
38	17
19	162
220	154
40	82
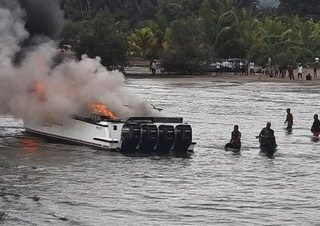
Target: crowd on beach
281	71
249	68
270	69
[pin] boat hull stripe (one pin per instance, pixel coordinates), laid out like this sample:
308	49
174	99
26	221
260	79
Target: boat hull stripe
104	140
67	139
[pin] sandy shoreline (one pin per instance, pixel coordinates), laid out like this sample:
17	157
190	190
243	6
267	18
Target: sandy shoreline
230	78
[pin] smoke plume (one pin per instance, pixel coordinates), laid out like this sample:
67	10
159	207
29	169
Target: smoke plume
43	17
38	89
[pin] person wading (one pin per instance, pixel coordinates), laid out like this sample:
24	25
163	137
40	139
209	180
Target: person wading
235	141
289	119
315	129
266	137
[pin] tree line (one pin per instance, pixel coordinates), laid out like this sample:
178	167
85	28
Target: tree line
183	33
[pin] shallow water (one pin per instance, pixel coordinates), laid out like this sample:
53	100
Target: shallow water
54	184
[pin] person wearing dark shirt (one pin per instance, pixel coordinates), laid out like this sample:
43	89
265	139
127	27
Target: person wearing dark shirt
290	71
289	119
236	137
153	67
266	136
315	129
308	77
235	141
315	67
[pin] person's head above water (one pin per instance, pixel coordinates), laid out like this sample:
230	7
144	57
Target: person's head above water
236	128
288	110
268	125
315	116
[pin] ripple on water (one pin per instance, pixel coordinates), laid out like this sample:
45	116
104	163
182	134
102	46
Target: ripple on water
80	186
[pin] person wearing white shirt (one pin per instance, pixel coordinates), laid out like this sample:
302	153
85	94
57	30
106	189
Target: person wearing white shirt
153	67
251	68
300	71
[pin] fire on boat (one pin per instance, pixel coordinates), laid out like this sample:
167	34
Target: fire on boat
102	129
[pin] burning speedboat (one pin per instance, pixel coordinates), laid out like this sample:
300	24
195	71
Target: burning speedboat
78	113
135	134
51	93
102	129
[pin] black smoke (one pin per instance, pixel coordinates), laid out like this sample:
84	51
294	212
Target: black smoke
43	21
67	89
43	17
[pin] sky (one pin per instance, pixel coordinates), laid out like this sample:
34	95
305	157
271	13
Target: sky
269	3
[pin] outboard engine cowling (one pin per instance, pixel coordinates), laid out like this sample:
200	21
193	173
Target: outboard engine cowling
165	139
149	138
130	136
183	138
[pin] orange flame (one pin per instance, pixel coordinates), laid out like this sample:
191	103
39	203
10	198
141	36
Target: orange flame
101	109
39	89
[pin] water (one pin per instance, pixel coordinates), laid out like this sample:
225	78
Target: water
54	184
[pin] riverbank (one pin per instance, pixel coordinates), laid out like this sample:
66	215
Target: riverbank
230	77
262	78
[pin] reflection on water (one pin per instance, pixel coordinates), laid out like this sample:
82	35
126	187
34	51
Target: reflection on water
53	184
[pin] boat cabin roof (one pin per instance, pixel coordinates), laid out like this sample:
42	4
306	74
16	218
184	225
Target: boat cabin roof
155	120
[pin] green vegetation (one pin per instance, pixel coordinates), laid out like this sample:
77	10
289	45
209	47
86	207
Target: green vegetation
183	33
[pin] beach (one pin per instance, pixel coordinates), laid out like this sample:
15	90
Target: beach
229	77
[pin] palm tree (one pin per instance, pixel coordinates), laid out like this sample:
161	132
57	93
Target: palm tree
247	26
209	30
238	4
278	42
246	3
142	42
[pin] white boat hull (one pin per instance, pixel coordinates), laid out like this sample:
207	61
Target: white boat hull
105	134
79	132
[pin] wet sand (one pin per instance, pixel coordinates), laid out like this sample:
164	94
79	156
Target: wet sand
263	78
227	77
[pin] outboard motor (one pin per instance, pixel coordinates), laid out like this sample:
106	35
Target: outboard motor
183	138
130	136
166	138
149	138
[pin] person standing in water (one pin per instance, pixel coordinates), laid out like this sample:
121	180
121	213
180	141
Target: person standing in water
315	129
266	136
235	141
289	119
